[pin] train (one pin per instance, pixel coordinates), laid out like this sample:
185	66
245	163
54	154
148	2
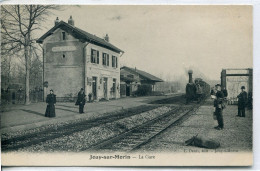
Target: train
197	90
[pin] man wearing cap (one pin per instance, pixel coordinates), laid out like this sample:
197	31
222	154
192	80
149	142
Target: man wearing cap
50	100
81	100
242	100
218	107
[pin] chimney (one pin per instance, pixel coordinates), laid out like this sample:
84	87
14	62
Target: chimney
190	76
106	38
56	21
71	21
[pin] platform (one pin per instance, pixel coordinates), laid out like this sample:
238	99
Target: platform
24	117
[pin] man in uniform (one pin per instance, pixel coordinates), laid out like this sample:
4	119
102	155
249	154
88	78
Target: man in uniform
225	92
218	107
242	101
81	100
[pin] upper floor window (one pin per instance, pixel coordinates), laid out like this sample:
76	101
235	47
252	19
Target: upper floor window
63	34
105	59
94	56
114	61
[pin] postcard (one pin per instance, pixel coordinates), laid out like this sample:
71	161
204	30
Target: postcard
127	85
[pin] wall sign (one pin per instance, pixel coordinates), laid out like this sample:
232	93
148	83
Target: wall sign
63	48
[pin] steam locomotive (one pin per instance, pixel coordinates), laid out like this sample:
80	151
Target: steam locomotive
197	90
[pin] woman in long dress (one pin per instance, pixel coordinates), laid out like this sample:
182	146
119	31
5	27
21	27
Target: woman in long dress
50	100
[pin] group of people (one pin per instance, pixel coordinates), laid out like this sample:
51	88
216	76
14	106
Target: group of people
51	101
220	99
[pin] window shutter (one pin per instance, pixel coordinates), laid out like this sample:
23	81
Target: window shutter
92	56
116	62
107	59
97	57
104	59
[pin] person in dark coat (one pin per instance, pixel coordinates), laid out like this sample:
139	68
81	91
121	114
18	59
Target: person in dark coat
50	100
81	100
250	101
225	92
218	107
242	101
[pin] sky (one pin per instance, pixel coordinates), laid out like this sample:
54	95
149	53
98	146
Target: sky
168	40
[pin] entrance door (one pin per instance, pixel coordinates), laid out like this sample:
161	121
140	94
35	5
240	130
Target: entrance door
94	88
105	88
114	88
127	90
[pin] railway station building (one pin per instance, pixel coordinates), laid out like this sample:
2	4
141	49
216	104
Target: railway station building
233	79
131	78
74	59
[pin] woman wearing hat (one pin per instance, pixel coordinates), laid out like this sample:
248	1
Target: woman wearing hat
81	100
242	100
50	100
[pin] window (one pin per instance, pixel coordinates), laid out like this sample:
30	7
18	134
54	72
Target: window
94	56
63	35
114	85
105	58
116	63
113	61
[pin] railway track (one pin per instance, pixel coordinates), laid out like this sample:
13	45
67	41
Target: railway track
127	141
37	137
138	136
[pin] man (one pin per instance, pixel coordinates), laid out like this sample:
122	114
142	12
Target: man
242	100
81	100
218	107
50	100
250	101
225	92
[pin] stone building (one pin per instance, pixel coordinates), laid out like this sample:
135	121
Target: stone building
75	59
131	78
233	79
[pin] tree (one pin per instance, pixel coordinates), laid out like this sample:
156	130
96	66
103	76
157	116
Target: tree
18	23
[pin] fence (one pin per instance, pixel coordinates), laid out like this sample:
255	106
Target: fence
15	97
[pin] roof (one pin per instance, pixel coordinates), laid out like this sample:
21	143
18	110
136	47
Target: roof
143	74
80	34
122	78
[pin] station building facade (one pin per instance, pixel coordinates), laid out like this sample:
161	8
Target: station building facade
74	59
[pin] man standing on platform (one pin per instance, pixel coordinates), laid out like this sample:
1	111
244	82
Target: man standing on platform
242	101
218	107
81	100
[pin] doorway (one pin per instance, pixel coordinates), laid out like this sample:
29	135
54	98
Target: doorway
128	90
105	88
94	88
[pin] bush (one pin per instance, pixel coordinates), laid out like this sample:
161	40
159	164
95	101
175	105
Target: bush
143	90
